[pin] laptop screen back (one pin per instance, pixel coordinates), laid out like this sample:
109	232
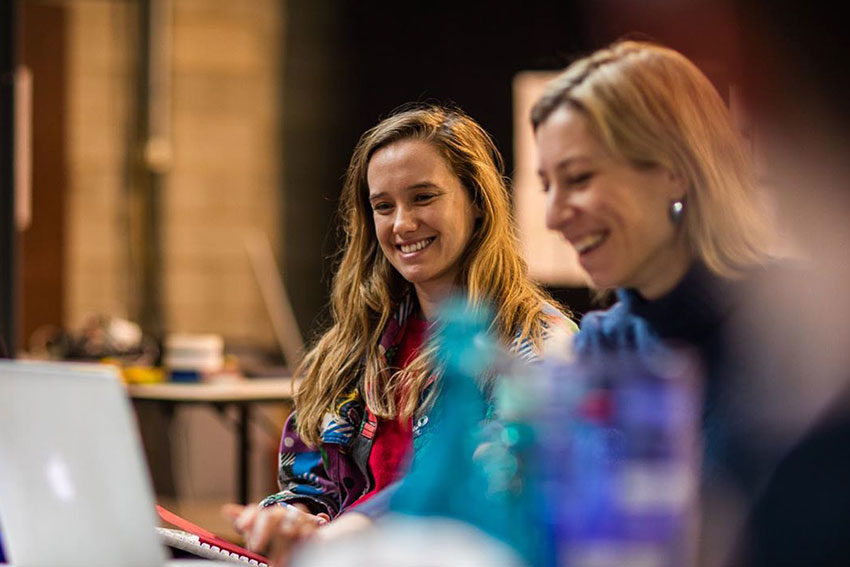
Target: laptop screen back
74	486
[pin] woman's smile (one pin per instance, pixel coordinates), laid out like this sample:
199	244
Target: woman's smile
409	249
590	242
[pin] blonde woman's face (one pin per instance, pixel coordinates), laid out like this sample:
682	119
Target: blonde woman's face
615	215
423	216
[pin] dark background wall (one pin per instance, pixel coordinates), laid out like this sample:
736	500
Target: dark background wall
455	51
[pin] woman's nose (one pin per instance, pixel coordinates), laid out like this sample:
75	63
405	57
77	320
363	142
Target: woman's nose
560	209
405	221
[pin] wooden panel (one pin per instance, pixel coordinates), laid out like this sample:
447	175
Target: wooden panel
42	268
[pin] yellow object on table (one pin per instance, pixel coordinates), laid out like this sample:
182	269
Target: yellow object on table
137	374
143	374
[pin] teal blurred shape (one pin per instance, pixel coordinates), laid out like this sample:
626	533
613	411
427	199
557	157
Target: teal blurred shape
468	469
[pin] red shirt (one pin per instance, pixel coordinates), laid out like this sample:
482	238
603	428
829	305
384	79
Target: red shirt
393	441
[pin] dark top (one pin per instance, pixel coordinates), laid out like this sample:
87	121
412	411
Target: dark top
697	313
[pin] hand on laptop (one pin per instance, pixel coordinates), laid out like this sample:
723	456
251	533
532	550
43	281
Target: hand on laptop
274	531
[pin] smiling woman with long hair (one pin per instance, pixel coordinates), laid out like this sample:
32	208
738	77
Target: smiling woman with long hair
426	213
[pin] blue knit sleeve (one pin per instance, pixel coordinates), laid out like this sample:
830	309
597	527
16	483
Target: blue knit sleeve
614	330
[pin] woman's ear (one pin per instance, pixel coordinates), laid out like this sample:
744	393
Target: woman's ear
677	185
477	209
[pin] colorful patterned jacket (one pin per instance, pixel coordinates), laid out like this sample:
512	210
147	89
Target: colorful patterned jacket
333	476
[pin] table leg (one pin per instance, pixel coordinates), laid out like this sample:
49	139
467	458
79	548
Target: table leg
156	427
243	478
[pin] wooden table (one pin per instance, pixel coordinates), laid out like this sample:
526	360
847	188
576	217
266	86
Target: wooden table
242	394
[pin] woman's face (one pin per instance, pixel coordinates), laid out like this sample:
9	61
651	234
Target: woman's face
423	215
615	215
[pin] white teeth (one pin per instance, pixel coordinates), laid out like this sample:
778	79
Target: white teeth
416	246
585	243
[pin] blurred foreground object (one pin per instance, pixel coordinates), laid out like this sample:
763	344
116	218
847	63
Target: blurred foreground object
618	448
585	464
797	86
411	542
459	472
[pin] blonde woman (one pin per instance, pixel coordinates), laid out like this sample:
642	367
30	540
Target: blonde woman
426	213
647	178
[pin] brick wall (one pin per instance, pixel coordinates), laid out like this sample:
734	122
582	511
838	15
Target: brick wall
224	180
99	94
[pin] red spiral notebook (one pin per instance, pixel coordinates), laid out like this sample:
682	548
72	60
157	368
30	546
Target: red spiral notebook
203	543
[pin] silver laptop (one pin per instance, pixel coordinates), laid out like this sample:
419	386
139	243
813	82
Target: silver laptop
74	485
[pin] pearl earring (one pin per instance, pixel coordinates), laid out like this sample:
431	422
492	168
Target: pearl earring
677	210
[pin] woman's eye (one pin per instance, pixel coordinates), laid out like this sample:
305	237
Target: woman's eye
544	185
424	197
579	179
381	207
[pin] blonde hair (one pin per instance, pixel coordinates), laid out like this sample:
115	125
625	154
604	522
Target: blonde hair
366	288
654	107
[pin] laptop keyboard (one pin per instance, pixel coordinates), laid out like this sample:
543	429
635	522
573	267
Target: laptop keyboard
191	543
